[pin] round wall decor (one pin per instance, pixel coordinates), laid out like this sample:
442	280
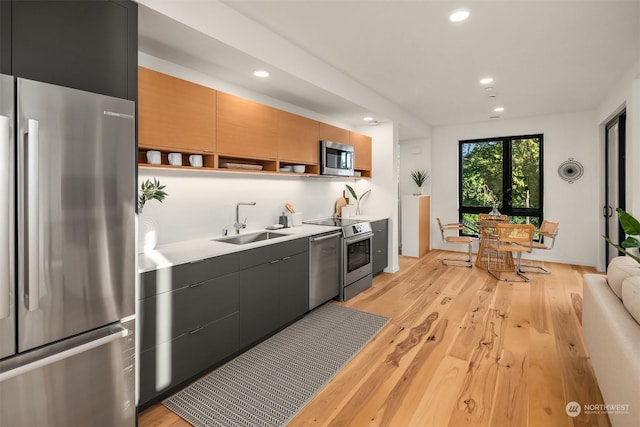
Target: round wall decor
570	170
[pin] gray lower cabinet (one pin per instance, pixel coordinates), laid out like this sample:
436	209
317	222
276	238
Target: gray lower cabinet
380	245
294	287
188	317
259	298
173	362
193	316
274	288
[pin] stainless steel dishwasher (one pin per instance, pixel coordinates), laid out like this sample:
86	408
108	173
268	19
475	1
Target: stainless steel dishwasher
325	271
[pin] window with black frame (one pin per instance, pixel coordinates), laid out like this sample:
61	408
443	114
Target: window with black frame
501	175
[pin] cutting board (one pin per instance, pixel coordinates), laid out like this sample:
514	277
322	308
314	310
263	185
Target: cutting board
340	203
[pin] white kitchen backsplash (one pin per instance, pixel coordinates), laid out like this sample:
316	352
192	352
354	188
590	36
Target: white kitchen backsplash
200	204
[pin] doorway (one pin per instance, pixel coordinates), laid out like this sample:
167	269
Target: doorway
614	181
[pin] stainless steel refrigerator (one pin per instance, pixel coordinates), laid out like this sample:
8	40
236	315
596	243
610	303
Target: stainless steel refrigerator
67	261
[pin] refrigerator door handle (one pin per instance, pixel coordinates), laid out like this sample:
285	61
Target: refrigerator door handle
56	357
32	226
5	227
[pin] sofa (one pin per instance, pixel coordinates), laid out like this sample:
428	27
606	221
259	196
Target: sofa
611	330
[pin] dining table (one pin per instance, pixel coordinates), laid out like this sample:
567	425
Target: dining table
486	226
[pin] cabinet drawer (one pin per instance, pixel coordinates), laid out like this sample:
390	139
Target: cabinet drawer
276	251
174	362
170	314
178	276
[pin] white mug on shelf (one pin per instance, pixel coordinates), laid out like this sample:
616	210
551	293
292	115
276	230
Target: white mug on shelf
195	160
175	159
153	157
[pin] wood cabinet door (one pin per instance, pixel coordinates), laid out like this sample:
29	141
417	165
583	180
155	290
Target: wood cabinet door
424	225
246	128
174	114
298	138
362	147
333	133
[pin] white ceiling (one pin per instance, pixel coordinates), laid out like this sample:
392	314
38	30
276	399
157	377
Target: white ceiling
403	60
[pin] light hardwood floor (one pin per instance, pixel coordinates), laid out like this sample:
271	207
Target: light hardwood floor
461	349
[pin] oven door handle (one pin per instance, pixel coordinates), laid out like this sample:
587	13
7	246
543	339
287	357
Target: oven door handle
359	238
325	237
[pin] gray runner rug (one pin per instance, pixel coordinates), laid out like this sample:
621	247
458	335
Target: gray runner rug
268	384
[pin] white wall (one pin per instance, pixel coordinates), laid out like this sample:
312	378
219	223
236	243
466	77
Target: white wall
575	205
625	95
384	184
201	203
414	155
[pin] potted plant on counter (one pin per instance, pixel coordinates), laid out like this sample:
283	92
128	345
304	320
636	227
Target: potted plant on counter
147	233
150	190
420	177
355	196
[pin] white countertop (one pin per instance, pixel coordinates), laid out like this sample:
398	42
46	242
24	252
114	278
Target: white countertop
198	249
195	250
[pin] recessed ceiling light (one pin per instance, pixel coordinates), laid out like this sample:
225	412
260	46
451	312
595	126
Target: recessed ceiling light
459	15
498	109
261	73
367	119
486	80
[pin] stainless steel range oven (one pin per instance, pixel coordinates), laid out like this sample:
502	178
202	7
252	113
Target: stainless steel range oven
357	259
357	240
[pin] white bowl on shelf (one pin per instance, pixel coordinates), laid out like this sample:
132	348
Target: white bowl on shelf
299	168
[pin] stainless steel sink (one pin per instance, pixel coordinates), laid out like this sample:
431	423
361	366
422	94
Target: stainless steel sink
243	239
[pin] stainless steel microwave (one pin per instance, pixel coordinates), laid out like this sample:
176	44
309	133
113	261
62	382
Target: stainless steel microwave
336	159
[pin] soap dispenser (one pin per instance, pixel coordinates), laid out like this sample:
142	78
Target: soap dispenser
283	220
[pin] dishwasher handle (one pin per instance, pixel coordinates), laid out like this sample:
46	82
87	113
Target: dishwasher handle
324	237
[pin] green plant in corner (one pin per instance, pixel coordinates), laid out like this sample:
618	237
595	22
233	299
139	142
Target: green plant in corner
355	196
151	190
420	177
631	228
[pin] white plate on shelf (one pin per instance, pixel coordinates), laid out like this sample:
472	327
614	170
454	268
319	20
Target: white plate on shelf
286	169
241	166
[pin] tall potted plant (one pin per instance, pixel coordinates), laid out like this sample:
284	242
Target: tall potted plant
420	177
631	228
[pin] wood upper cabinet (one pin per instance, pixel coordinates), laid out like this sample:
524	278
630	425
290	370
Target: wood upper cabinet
333	133
246	128
175	114
298	138
362	146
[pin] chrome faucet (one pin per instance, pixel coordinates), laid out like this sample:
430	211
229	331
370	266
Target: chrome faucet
238	225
